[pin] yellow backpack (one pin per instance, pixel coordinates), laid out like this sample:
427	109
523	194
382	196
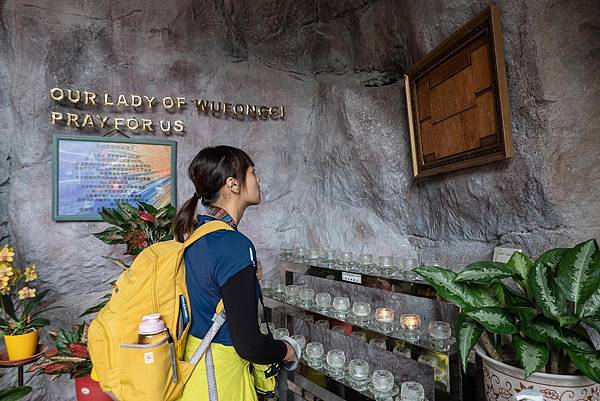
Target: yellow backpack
153	284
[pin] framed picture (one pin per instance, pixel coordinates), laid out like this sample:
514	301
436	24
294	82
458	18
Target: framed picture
92	172
457	100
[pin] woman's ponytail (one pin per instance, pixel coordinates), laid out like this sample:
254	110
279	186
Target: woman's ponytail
185	222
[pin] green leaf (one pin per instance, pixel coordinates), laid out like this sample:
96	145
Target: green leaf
443	281
515	297
549	299
38	323
496	320
94	309
532	356
9	308
520	263
524	313
593	322
551	258
543	330
469	332
579	272
14	393
587	363
109	216
111	236
483	272
591	307
488	295
32	304
149	208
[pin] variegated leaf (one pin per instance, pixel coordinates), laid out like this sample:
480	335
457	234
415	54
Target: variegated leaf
443	281
532	356
551	258
546	295
591	307
579	272
483	272
469	332
515	297
496	320
520	263
593	322
543	330
488	295
587	363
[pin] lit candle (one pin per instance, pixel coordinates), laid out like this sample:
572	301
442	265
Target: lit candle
410	324
384	315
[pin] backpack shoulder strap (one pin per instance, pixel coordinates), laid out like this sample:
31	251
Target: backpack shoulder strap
206	228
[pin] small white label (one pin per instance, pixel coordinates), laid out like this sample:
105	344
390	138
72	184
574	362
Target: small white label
503	254
85	391
352	277
148	358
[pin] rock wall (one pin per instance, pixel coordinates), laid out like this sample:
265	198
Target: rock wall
336	172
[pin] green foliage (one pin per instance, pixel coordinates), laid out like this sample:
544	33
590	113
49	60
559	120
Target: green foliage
14	393
541	305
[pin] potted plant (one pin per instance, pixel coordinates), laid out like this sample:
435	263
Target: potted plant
20	304
137	229
70	356
530	320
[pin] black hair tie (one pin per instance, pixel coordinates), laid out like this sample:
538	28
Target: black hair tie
197	195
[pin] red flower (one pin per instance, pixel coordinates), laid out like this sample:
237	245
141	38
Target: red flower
147	216
79	350
51	352
57	368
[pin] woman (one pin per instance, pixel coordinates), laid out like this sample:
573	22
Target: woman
222	265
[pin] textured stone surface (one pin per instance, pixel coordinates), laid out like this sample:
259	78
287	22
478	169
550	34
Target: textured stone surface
336	173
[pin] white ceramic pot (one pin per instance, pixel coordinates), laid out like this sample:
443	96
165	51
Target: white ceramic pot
502	381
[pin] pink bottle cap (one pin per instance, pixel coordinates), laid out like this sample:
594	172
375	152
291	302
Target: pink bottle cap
151	324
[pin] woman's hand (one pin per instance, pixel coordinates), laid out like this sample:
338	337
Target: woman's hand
259	274
290	355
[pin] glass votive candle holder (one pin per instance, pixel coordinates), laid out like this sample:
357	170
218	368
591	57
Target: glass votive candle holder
358	373
291	294
382	381
330	256
386	263
407	266
336	361
314	354
281	332
378	342
278	290
266	286
301	340
384	318
365	262
440	334
323	323
306	297
323	301
346	260
341	305
314	254
359	335
411	324
264	329
412	391
299	254
361	312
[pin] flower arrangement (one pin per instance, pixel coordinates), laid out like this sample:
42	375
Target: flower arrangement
69	356
20	317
